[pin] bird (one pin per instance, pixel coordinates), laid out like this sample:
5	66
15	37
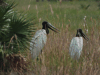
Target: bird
39	39
76	44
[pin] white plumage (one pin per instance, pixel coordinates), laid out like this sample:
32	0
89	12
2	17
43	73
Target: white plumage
38	42
76	44
76	47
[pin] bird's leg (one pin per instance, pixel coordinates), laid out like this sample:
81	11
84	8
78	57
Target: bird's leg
41	51
38	57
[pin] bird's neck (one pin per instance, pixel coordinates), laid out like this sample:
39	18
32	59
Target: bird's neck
47	30
78	34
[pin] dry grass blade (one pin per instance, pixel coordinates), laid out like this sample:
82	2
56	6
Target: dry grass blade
51	9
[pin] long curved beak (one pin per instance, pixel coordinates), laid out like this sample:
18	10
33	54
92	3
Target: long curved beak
52	28
85	37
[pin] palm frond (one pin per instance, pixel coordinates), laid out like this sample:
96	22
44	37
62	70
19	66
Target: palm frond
15	29
19	27
84	6
4	20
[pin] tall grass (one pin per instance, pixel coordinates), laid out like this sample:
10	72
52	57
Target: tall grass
67	17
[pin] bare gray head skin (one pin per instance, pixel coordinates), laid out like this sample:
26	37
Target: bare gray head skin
81	34
46	25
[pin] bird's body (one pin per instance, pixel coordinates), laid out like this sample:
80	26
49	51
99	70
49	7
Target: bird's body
39	39
76	44
76	47
38	42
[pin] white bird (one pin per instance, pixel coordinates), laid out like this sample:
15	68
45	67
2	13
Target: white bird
76	44
39	39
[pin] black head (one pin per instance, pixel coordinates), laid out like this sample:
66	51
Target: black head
81	34
46	25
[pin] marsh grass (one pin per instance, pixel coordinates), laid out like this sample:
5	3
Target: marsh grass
67	17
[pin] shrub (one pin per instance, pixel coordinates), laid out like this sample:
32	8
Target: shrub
15	31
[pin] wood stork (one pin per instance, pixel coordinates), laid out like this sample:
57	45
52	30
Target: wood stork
76	44
39	39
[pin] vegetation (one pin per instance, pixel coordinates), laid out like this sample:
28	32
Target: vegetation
68	17
15	34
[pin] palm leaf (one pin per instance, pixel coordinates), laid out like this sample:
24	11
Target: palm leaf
19	27
15	29
4	20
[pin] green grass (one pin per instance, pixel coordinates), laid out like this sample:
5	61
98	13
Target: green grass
67	17
66	11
